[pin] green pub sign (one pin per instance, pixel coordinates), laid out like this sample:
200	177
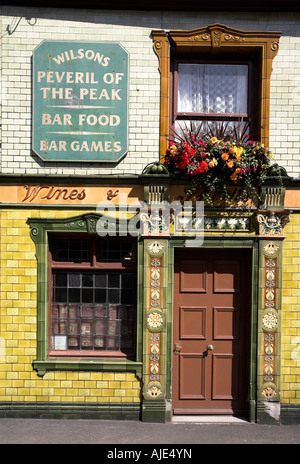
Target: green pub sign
80	101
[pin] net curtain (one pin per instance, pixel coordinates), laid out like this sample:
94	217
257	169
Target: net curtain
212	88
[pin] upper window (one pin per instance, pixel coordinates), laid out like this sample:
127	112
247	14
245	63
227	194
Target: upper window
219	73
208	93
93	297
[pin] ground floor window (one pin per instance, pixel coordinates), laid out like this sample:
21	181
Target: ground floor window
93	296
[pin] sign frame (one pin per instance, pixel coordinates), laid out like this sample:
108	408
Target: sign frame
103	149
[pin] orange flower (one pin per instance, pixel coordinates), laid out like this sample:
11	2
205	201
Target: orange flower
235	176
230	164
238	153
224	156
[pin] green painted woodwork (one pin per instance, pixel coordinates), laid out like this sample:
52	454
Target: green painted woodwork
39	229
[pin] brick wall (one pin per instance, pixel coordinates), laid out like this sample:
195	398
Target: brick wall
132	30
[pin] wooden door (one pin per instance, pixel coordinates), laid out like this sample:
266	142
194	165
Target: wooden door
210	366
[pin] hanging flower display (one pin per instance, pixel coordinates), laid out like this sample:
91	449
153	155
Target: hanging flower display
215	163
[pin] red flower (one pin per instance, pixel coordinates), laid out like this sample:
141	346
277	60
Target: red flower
201	168
184	162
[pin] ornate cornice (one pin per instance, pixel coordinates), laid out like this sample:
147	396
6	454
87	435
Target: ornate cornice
218	35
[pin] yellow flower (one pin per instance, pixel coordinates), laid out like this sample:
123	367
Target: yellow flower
213	163
214	140
233	150
272	155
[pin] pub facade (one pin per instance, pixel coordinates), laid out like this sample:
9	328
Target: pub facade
126	292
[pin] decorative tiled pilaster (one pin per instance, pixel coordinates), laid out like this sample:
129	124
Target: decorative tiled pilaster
154	351
271	237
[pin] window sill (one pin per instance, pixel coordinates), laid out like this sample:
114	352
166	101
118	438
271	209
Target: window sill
86	354
87	364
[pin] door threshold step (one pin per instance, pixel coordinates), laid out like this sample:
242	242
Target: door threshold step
209	419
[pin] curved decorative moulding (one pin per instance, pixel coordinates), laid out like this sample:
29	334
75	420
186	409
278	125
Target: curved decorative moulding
275	171
90	223
272	223
155	223
217	35
269	392
271	248
83	223
274	187
156	248
155	169
154	391
156	179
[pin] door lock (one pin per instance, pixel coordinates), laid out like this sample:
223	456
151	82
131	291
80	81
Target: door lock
178	348
209	347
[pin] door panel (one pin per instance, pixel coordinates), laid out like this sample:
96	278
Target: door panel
195	388
193	276
210	330
226	323
225	377
192	323
226	276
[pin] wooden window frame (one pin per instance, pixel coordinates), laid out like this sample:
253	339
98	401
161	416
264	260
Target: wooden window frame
252	109
93	264
211	40
40	230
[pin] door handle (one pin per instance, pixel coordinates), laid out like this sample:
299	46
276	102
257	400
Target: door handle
209	347
177	348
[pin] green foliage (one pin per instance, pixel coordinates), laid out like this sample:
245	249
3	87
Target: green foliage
217	159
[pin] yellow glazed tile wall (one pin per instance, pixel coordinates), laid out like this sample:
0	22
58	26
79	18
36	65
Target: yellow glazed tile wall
18	328
18	381
290	322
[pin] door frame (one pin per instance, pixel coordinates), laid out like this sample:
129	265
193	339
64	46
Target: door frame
218	242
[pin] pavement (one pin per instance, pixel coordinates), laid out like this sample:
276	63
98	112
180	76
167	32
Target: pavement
115	436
